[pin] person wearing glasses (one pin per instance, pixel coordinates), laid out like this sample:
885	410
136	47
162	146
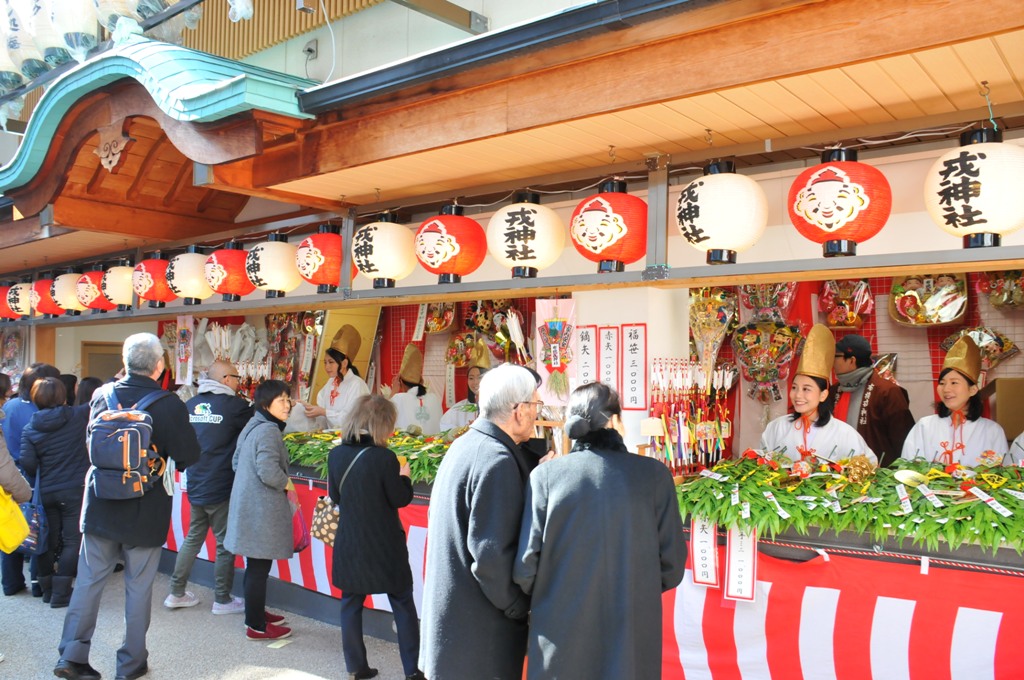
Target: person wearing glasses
218	416
259	513
474	615
627	548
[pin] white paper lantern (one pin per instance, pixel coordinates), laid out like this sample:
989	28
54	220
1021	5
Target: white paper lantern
525	236
975	191
383	251
271	266
722	213
45	35
117	286
19	298
20	46
64	292
75	22
186	276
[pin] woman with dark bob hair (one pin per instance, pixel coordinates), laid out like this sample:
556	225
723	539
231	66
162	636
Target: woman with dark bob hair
811	431
259	514
368	485
53	444
601	540
958	433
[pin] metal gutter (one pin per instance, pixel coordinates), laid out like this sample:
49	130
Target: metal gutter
573	24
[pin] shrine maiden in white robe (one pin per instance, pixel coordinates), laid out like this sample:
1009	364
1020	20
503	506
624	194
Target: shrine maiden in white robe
424	411
984	442
835	440
337	406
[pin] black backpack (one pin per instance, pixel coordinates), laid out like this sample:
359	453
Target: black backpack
125	464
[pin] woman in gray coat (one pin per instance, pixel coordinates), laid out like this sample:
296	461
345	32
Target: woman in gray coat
259	514
601	540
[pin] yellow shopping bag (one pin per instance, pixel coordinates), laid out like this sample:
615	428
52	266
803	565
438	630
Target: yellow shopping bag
13	527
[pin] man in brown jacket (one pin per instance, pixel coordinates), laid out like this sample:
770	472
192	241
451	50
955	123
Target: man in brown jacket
878	408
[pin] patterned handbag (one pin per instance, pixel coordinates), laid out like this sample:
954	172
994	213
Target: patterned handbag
36	543
326	515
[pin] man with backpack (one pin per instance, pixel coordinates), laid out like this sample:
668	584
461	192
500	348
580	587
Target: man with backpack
218	415
129	520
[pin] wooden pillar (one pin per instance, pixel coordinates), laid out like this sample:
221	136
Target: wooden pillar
45	345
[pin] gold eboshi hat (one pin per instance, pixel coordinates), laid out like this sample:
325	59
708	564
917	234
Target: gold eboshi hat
479	355
964	357
819	353
411	370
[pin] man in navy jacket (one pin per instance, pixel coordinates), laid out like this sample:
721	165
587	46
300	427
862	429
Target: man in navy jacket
130	529
218	415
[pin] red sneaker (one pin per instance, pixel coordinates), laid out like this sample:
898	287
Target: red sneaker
276	619
271	633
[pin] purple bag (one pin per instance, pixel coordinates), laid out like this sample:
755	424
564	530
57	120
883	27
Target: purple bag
300	530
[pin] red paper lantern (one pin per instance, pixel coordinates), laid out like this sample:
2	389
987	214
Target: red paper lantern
5	309
610	228
840	202
450	245
318	258
90	291
150	282
225	272
45	304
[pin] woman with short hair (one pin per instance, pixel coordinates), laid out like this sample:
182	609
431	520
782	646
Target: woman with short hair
53	444
601	540
367	483
259	514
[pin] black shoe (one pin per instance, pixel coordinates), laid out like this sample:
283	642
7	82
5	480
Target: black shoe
37	590
75	671
418	675
364	675
143	669
14	591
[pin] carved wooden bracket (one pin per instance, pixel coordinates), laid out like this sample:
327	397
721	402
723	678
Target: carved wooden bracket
113	141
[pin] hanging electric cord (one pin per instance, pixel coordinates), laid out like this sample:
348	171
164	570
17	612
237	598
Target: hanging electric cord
928	132
334	45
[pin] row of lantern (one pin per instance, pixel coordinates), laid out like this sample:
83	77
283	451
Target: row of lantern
971	192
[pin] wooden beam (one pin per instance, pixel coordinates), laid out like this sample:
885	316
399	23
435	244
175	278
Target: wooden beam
26	231
112	218
181	180
147	163
685	64
448	13
238	179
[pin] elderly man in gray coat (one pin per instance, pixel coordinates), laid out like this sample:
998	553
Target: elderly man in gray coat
474	615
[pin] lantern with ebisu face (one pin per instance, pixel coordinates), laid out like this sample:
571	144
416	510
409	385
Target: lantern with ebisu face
224	272
318	259
450	245
383	251
610	228
149	279
975	191
840	202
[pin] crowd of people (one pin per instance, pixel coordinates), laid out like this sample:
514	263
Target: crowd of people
514	570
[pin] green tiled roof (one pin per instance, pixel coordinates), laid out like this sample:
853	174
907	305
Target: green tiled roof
187	85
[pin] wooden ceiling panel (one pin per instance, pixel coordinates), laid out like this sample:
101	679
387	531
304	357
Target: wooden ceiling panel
696	117
871	77
948	71
854	97
1011	48
750	101
918	84
984	60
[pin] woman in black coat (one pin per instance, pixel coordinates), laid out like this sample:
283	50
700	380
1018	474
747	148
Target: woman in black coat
370	555
53	443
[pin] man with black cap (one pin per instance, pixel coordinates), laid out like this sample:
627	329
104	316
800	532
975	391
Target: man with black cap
878	408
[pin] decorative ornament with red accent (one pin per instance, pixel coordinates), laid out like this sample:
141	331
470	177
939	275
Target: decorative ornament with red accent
150	281
224	272
318	259
271	266
450	245
610	228
974	191
383	251
839	203
722	213
19	298
90	292
117	285
525	236
186	276
42	292
64	292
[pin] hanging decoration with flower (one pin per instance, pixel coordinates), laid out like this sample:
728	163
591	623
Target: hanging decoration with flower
845	303
554	343
840	202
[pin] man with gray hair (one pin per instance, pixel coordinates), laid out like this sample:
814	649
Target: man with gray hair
132	529
474	615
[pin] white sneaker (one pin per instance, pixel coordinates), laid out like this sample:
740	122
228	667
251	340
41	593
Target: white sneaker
189	599
236	606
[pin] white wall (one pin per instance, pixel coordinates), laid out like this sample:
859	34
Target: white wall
70	338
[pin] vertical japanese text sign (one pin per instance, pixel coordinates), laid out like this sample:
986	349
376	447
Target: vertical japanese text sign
608	356
586	354
634	367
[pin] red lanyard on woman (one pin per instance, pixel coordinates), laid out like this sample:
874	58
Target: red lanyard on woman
805	424
956	421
